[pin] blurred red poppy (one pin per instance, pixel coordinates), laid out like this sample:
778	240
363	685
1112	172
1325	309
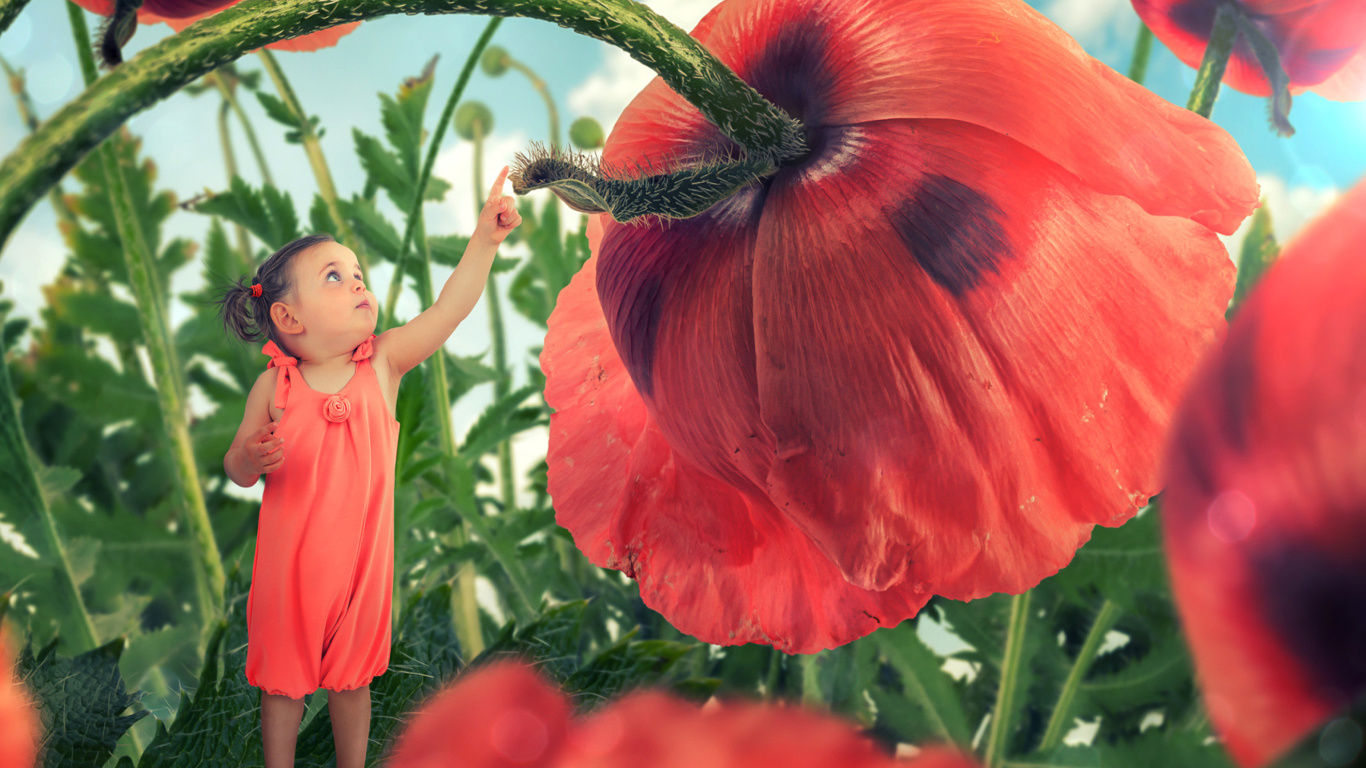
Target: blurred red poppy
180	14
20	729
1320	42
506	715
925	360
1265	507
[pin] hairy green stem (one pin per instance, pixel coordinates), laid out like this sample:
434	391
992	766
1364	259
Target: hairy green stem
157	72
1011	658
208	575
230	164
9	11
1212	66
230	96
1143	46
541	88
415	207
1057	722
314	149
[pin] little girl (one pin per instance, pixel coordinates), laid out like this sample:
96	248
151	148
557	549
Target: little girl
322	426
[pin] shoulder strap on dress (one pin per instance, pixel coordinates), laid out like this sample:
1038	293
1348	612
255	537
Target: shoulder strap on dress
365	349
278	359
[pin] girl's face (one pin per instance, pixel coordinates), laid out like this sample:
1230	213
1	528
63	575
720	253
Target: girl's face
331	299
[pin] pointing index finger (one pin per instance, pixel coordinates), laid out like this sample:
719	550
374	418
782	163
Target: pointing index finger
498	185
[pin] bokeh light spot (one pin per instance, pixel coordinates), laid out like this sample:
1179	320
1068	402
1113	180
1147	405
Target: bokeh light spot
1232	516
519	736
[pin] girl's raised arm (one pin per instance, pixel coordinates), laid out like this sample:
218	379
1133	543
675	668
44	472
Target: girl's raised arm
406	346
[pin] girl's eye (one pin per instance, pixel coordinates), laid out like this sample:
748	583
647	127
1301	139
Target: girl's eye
334	272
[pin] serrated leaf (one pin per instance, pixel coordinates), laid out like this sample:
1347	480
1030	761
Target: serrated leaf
928	706
277	110
626	665
79	700
500	420
268	214
552	642
1118	563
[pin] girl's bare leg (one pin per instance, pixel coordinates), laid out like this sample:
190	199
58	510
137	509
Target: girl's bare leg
350	715
280	717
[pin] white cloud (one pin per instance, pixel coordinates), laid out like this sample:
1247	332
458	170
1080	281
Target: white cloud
1291	207
606	92
1084	19
32	258
457	212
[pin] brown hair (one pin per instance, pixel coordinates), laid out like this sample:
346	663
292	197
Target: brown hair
248	317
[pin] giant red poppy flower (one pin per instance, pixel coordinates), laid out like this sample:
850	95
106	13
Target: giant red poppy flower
1265	508
506	715
179	14
1320	41
925	360
20	729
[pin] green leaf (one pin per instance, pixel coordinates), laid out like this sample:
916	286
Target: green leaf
268	214
626	665
1258	251
278	111
1119	563
85	695
500	421
552	642
920	704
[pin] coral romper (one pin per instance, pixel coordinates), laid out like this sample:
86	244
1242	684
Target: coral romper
318	614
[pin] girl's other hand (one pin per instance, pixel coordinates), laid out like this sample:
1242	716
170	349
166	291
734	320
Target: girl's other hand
265	451
499	216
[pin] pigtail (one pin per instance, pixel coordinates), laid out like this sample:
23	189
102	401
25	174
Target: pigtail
243	314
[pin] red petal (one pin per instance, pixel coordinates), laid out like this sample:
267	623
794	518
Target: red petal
1348	83
20	729
995	63
501	716
323	38
954	424
651	729
720	563
1314	39
1265	508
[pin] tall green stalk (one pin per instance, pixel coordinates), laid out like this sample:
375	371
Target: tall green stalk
1057	722
1143	47
1003	714
503	383
1215	61
230	165
208	574
763	129
314	149
415	207
230	96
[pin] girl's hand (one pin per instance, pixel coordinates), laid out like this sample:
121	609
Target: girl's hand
265	452
499	216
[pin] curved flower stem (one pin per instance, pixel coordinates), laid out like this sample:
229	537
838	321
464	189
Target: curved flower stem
1057	722
230	96
1143	46
314	149
230	163
428	163
1011	657
157	72
1212	66
9	10
541	88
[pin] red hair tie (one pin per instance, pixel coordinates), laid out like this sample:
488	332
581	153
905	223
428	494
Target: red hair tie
255	289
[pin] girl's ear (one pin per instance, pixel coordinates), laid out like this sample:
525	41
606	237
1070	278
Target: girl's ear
284	319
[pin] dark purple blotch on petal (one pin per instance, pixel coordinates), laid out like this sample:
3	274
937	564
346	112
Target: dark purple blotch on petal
1315	601
953	231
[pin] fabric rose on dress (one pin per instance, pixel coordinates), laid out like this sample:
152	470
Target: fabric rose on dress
1320	42
927	359
20	728
336	408
179	14
506	715
1265	508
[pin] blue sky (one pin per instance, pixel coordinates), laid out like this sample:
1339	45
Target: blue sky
1299	175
